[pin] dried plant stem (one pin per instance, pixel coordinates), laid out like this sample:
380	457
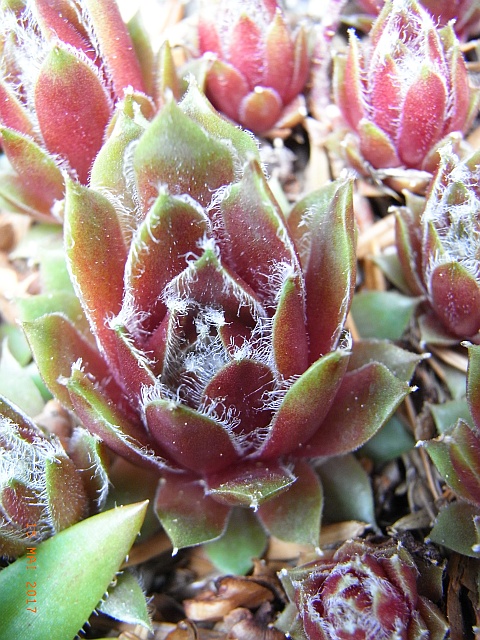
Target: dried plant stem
451	357
382	234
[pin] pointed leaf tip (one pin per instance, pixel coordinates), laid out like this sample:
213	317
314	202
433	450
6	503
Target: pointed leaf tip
72	572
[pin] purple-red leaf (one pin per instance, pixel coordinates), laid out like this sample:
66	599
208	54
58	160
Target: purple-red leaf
254	241
73	109
193	440
455	297
422	118
188	515
305	405
260	109
290	341
366	399
322	225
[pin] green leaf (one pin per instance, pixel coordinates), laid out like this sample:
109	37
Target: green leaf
62	302
249	484
197	107
382	314
17	384
455	380
455	528
125	601
72	572
389	443
17	343
473	382
171	149
390	264
347	490
54	272
109	169
446	414
40	239
243	540
295	515
400	362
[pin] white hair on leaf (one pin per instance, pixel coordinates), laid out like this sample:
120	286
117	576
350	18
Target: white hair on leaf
457	225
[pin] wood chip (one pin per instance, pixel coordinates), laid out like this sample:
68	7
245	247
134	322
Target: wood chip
451	357
231	592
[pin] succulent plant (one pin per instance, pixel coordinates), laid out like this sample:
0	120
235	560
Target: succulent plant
405	88
366	591
456	454
219	356
54	56
465	13
42	490
258	66
438	245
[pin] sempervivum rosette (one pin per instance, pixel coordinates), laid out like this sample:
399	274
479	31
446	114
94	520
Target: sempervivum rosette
65	65
42	489
464	13
438	243
219	355
364	591
404	88
258	66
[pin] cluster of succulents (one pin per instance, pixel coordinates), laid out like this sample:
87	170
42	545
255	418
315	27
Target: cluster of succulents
200	325
258	67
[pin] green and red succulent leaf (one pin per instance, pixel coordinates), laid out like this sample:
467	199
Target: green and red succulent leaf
367	397
322	225
456	454
188	515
